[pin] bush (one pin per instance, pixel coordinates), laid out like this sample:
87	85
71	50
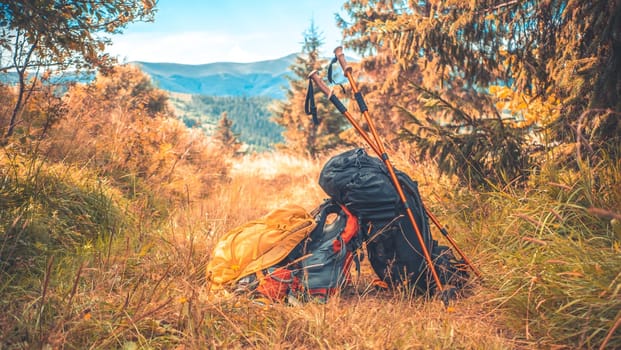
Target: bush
47	210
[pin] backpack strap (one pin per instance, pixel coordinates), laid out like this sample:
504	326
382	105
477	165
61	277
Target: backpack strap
326	208
351	227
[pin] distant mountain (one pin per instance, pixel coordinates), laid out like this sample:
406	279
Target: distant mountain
263	78
66	77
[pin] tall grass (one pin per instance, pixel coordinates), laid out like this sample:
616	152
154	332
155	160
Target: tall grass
149	290
550	266
47	209
553	266
358	319
49	215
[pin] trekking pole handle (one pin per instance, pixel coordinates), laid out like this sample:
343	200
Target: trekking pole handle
340	56
314	76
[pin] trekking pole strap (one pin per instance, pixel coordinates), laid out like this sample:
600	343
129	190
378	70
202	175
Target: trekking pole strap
314	76
309	104
330	79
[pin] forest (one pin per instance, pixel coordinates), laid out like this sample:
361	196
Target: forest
250	115
506	113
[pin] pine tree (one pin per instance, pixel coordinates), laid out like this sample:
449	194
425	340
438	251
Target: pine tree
225	135
383	81
301	134
470	75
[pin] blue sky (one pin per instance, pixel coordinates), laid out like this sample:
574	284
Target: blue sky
197	32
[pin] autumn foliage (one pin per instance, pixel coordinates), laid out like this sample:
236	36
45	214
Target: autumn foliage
504	112
489	89
121	125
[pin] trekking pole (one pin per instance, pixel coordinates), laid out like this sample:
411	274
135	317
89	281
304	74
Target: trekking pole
378	147
314	76
445	233
347	70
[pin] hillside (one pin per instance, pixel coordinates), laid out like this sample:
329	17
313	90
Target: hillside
109	227
119	219
201	93
149	290
250	115
264	78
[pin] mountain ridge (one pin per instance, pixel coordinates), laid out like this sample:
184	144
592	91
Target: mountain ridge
281	63
261	78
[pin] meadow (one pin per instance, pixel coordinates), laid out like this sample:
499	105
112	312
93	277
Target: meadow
117	276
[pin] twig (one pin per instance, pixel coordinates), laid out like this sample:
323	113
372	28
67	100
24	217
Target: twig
604	213
611	332
75	286
46	282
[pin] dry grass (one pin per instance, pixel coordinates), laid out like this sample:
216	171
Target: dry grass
146	288
362	319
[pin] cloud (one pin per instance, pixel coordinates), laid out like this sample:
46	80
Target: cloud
197	47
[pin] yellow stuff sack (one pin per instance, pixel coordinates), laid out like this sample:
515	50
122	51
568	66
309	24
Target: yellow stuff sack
258	244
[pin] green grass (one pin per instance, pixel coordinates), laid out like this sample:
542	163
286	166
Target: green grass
553	266
52	217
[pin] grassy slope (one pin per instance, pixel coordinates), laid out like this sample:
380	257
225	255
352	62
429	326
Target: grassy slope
146	287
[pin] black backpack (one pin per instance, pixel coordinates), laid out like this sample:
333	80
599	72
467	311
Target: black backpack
362	184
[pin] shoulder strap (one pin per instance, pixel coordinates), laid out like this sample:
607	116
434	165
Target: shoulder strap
351	227
326	208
